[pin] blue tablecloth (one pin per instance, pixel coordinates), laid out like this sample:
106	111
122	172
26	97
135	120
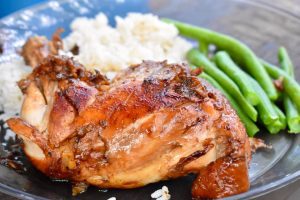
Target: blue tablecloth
9	6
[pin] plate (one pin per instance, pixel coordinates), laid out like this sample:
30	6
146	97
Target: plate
262	28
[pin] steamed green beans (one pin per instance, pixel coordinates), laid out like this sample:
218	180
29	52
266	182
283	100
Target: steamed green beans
293	118
292	115
225	63
274	127
195	57
265	109
239	52
285	61
251	128
291	87
282	117
279	124
239	87
203	47
264	106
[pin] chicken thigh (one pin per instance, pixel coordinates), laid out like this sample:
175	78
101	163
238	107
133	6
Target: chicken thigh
153	122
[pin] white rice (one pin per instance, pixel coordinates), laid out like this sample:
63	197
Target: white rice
10	94
135	38
161	194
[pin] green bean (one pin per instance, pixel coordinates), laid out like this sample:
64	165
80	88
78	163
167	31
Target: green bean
195	57
239	52
203	47
290	86
285	61
279	124
250	126
282	117
212	81
225	63
293	116
274	127
266	112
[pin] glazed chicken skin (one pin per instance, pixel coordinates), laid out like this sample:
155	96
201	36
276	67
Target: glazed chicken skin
153	122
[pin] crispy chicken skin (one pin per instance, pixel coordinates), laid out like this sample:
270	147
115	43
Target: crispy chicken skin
153	122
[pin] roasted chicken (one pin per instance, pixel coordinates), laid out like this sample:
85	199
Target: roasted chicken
37	48
153	122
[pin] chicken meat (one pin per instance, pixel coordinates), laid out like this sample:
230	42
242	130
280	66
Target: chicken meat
37	48
153	122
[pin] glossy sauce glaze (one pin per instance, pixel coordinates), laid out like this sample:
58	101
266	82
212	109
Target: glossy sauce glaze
154	122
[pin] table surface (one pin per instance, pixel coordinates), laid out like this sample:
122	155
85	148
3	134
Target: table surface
292	191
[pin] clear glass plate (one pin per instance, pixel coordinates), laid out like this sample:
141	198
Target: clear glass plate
263	28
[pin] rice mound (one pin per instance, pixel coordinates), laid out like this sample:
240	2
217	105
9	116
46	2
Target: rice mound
135	38
10	94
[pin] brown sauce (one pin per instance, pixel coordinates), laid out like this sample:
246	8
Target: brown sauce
11	153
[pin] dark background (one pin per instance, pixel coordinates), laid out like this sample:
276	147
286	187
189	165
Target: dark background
291	192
